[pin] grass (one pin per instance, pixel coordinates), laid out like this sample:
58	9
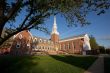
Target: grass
107	65
45	64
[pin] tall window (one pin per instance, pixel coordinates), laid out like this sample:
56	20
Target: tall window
69	45
72	45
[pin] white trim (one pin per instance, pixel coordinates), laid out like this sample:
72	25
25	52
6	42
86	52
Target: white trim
16	34
20	32
35	40
40	40
30	34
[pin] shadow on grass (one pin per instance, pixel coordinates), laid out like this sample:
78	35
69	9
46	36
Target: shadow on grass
17	64
83	62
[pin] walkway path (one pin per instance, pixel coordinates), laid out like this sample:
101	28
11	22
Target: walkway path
97	66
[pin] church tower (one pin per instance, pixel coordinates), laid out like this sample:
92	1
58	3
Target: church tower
55	33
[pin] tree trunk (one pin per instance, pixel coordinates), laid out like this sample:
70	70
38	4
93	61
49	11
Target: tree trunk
2	17
1	29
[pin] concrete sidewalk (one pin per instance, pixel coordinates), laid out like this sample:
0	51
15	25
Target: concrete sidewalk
97	66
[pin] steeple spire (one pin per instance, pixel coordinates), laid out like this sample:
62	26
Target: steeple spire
54	20
54	29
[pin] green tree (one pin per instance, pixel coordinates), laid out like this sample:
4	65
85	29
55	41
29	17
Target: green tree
102	49
37	11
93	43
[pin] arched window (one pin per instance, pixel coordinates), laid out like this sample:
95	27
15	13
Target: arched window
40	40
35	40
20	36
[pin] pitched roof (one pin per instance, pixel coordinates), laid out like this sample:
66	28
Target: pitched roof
73	37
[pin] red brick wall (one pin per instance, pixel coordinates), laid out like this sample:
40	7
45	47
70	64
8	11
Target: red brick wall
72	46
4	51
55	38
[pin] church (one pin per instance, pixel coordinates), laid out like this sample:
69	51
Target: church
71	45
24	43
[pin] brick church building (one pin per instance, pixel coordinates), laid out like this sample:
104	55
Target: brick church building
24	43
72	45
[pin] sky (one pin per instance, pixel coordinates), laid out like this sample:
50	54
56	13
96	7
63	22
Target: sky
99	28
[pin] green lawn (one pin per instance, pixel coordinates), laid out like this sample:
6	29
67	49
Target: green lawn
45	64
107	65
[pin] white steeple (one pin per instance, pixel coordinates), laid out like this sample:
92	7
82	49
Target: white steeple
54	29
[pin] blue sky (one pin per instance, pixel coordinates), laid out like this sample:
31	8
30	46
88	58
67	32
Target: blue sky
99	28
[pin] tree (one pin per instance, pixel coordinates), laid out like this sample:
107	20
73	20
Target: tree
8	42
93	43
37	11
102	49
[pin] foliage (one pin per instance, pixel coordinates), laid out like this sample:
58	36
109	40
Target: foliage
107	50
107	65
7	43
102	49
45	64
93	43
37	11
